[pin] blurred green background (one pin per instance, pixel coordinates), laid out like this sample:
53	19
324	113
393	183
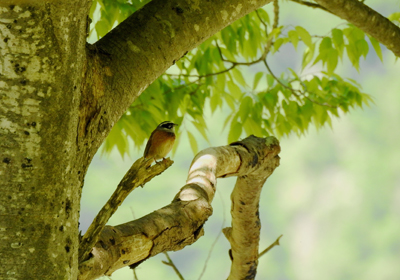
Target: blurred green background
335	197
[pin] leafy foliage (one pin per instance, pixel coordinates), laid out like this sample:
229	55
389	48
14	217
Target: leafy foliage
230	70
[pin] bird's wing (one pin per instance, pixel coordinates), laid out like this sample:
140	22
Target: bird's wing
146	150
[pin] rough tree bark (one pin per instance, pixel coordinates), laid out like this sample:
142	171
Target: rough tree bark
42	54
61	97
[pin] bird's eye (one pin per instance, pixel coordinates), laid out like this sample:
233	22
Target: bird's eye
168	125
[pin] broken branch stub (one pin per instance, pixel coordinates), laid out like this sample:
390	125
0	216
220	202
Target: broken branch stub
180	223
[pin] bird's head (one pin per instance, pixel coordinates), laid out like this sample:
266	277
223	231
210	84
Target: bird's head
167	126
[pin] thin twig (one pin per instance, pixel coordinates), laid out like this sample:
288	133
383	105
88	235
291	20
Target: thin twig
171	264
133	212
134	274
182	86
296	92
261	20
216	239
204	76
276	243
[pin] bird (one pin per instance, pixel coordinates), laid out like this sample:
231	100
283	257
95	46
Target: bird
160	142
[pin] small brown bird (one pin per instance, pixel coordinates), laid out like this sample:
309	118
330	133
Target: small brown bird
160	142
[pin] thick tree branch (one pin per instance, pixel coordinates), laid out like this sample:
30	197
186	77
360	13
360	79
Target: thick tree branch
181	222
310	4
367	19
124	62
244	235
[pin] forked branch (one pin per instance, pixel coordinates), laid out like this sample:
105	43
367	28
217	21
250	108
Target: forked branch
180	223
244	235
139	174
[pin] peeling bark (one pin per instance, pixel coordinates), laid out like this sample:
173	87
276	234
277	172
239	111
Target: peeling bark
244	235
180	223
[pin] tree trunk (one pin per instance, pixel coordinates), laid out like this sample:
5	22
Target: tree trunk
42	53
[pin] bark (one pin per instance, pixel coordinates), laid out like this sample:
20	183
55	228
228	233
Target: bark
367	19
181	222
60	98
42	52
244	235
138	175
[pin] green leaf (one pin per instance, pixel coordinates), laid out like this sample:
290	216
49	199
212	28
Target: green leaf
270	80
234	90
257	78
230	101
324	50
215	101
321	115
307	111
294	73
305	36
117	138
353	55
102	27
246	105
227	120
337	38
264	15
332	60
238	77
252	127
270	99
394	17
377	46
235	131
307	57
201	127
278	43
220	85
294	38
362	47
229	38
193	142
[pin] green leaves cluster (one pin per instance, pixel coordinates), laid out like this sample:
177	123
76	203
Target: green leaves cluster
229	72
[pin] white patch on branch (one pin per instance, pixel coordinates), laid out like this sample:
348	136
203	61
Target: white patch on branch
238	9
24	14
224	15
133	47
5	124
